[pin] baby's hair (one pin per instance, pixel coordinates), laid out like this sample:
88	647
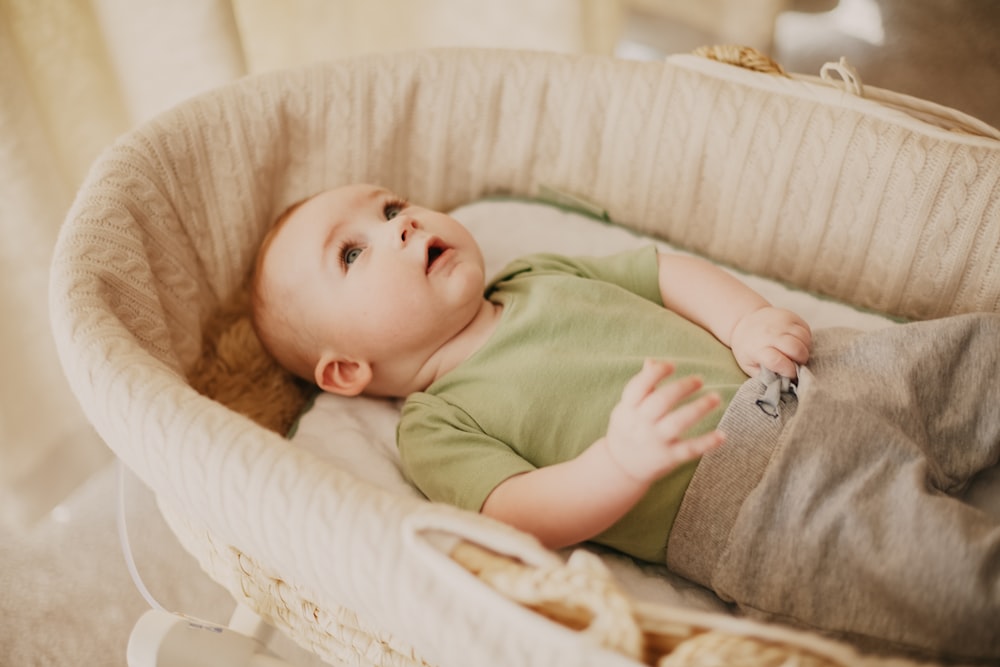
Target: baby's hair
266	320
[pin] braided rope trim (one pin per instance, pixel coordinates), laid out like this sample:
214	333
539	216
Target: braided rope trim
580	595
583	596
719	648
746	57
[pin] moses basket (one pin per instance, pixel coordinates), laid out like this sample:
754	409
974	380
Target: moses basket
870	197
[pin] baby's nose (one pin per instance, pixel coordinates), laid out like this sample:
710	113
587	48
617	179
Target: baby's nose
407	226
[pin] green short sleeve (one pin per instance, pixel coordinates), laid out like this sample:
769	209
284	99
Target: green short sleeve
448	457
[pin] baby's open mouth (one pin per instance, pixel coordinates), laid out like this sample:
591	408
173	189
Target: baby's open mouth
434	251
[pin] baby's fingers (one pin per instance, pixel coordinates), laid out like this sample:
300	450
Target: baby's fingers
667	396
692	448
802	331
774	359
673	425
644	382
795	345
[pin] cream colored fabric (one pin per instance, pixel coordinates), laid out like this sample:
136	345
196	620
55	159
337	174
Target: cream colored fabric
787	178
77	73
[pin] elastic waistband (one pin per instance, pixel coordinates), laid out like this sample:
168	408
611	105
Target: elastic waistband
725	477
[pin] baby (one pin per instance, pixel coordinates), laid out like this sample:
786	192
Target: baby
546	402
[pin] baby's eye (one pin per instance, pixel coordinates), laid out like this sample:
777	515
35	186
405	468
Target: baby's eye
350	254
393	208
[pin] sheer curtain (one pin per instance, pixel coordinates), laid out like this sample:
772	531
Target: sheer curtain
74	74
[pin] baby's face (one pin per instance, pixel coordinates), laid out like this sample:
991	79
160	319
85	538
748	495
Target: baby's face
374	277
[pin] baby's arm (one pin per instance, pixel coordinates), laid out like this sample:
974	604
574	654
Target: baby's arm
573	501
758	333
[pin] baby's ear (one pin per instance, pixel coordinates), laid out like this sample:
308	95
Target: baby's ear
341	376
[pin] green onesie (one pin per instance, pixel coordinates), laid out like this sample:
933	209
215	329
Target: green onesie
573	331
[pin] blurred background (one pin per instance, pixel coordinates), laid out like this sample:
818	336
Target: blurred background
75	74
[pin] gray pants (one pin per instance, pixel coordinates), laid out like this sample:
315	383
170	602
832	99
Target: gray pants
839	514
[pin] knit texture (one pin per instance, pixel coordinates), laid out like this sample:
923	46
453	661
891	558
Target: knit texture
786	178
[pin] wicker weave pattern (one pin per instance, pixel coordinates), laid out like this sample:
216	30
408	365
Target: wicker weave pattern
782	177
741	56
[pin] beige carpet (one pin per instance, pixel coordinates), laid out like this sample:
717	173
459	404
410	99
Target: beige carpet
66	597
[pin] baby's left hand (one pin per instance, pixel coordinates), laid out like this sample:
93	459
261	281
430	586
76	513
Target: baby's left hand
772	338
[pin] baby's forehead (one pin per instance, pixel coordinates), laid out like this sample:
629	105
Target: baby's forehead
282	268
304	221
290	237
297	240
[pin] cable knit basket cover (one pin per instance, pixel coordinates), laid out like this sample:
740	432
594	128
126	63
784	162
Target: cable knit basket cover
884	201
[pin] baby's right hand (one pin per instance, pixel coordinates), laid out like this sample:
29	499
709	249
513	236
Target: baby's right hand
645	429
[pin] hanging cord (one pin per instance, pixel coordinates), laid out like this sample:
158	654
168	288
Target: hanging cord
849	77
126	547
